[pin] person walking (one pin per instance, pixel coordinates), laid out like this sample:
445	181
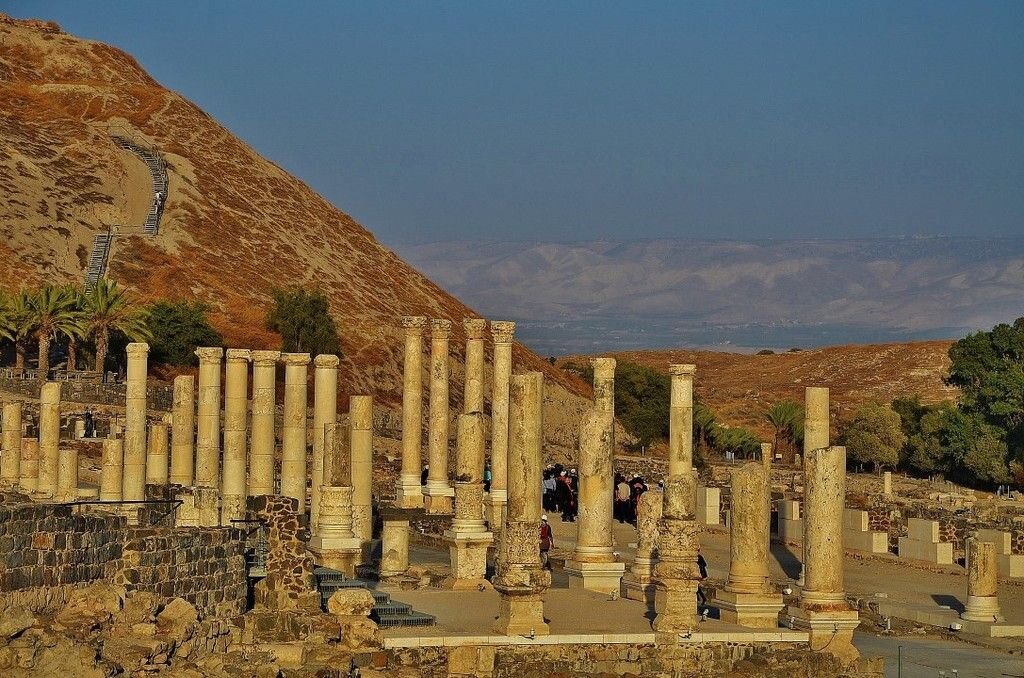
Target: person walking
702	565
547	541
487	477
90	424
623	493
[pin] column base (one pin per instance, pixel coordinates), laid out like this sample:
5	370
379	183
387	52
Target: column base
599	577
494	509
756	610
468	553
675	606
438	498
521	616
342	554
982	609
409	493
829	630
638	587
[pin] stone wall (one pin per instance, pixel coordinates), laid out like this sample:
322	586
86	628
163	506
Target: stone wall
47	550
734	659
158	396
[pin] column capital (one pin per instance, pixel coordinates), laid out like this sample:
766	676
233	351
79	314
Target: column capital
138	348
502	331
300	359
603	367
238	355
265	358
677	370
327	361
414	324
440	328
474	327
209	354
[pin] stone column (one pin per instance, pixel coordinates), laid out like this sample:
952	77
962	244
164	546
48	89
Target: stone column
676	574
135	422
264	408
156	456
325	411
474	393
409	493
208	418
982	583
236	387
520	578
887	483
766	457
468	537
183	431
29	470
823	610
111	473
438	491
293	444
394	550
748	598
816	420
360	412
592	564
67	475
10	461
501	333
49	438
335	544
638	582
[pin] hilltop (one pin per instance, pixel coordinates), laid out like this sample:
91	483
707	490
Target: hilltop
234	226
739	387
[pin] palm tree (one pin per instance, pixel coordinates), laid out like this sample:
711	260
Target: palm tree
787	417
22	322
53	313
8	323
74	338
109	308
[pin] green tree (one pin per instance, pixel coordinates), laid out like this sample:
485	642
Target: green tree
642	401
302	318
178	328
108	308
54	312
874	436
787	418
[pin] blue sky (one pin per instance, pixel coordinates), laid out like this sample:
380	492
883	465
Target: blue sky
563	121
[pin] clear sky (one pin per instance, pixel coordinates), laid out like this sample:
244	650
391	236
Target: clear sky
562	121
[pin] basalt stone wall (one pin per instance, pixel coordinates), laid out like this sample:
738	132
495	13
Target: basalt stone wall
205	566
289	566
734	659
158	396
47	549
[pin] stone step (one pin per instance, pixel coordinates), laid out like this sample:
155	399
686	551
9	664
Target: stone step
412	619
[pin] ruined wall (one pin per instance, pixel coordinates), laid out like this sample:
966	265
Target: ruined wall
158	396
47	550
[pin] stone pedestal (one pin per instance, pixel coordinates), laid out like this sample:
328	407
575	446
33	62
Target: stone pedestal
199	507
857	534
236	414
361	445
156	455
135	449
325	411
111	472
408	491
823	610
335	545
49	438
638	582
922	543
264	408
438	491
293	447
394	550
1010	564
207	471
520	578
592	565
10	454
29	467
748	598
709	505
501	334
982	583
887	483
474	387
468	537
183	426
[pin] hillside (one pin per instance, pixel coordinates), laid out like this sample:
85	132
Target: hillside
740	388
234	225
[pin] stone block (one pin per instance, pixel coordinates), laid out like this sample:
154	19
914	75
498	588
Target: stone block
350	602
791	524
938	553
709	502
599	577
857	535
1009	564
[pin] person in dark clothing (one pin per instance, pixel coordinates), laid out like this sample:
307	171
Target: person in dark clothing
702	565
547	541
424	474
567	499
90	424
488	475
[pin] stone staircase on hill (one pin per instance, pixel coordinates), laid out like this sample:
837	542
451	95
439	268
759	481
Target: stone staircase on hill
386	612
158	172
98	259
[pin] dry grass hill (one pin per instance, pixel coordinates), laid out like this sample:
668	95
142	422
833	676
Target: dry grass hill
234	226
740	388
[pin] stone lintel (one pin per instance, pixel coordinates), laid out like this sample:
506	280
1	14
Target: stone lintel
327	361
502	331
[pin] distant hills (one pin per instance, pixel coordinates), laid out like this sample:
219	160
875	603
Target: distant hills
616	295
